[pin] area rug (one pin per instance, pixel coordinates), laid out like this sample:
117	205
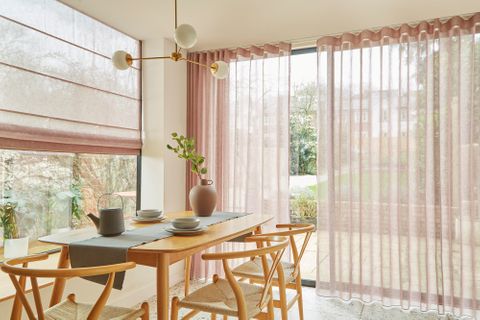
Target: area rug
316	307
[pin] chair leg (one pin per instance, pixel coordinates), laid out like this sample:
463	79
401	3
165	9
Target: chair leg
146	311
298	284
282	290
213	316
174	310
270	308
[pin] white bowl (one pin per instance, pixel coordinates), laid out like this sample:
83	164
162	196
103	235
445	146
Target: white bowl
186	223
149	213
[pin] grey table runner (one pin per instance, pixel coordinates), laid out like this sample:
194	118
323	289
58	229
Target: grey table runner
110	250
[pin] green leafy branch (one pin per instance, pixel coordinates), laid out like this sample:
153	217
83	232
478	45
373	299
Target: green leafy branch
8	221
185	149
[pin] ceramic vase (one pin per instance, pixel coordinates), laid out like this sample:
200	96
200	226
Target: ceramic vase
203	198
14	248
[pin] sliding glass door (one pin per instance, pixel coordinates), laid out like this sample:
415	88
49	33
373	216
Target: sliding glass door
303	150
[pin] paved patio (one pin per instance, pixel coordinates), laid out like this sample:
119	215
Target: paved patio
309	261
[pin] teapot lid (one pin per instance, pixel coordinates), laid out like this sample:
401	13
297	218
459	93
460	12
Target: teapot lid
110	209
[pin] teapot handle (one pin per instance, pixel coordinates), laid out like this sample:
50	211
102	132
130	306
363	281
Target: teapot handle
110	194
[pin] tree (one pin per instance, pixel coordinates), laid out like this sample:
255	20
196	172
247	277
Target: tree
303	137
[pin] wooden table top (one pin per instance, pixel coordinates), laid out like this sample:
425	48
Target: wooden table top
217	233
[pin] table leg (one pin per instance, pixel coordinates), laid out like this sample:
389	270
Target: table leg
162	286
59	285
188	265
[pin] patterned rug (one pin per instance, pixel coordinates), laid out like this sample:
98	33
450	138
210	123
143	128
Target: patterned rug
316	307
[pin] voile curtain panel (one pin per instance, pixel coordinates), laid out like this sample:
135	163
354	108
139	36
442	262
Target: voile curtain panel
60	91
398	149
241	126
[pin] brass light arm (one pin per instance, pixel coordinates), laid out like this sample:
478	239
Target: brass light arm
150	58
212	66
177	50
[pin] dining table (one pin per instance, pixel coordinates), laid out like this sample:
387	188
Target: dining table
160	254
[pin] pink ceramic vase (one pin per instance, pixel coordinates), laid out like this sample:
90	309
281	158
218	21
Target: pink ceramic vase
203	198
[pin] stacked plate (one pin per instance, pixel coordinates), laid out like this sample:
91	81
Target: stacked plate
186	232
188	226
149	215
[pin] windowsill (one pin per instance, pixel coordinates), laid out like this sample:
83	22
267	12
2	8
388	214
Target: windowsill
36	247
7	291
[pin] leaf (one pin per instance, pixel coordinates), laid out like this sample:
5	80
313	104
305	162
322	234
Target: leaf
185	149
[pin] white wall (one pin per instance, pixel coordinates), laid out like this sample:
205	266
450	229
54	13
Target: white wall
176	116
165	101
163	175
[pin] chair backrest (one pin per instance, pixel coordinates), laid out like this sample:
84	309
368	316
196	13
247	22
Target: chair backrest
293	230
273	246
13	270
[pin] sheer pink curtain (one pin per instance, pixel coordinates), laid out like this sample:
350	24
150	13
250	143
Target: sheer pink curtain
399	134
241	126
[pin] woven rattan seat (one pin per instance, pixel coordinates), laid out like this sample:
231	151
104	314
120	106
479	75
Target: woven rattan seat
253	269
69	310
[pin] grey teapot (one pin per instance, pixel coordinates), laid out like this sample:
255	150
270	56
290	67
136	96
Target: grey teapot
110	221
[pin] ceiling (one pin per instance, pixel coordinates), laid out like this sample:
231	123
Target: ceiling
231	23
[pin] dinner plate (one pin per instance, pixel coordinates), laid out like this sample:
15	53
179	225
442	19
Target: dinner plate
182	230
141	219
179	232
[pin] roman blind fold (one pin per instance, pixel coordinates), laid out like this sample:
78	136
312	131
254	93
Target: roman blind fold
58	88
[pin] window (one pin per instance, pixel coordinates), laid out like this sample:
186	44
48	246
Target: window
303	147
70	123
54	191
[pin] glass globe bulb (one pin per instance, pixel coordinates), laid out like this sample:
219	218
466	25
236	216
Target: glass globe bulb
185	36
219	69
121	60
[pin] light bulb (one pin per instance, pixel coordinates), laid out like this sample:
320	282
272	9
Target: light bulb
185	36
219	69
121	60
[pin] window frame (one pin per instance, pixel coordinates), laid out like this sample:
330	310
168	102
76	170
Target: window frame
303	50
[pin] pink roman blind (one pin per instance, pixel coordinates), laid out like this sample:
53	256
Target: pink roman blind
58	88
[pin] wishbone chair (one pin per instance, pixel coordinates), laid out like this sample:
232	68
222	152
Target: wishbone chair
288	274
229	297
69	309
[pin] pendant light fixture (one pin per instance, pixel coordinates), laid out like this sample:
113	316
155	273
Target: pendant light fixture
185	37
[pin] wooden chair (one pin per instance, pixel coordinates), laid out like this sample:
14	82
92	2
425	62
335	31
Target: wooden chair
288	274
229	297
69	309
